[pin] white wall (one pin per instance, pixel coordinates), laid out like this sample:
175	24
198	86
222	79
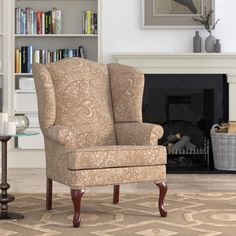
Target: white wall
121	31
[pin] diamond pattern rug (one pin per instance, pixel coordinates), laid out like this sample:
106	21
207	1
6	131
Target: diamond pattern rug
205	214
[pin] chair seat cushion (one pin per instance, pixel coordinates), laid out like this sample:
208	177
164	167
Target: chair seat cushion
97	157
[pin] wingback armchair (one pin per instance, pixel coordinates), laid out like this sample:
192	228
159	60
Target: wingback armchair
90	116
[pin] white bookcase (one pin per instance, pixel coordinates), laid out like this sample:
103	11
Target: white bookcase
23	102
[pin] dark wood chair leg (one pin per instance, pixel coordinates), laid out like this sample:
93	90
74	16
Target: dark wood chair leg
116	194
76	195
49	194
163	189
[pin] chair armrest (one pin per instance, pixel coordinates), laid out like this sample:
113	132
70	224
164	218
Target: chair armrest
62	135
138	133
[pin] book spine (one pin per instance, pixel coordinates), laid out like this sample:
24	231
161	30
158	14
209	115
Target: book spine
53	26
27	12
46	23
29	58
17	61
95	21
88	19
81	52
38	22
31	21
37	56
70	53
83	22
43	22
50	22
58	22
24	23
48	59
21	25
24	59
16	21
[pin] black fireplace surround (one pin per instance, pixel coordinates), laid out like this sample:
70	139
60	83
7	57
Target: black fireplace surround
189	104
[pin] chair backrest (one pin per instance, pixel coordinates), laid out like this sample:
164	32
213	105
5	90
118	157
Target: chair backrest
76	93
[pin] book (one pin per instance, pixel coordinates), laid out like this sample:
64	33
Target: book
43	22
83	22
88	19
24	55
95	22
39	22
81	52
17	56
58	20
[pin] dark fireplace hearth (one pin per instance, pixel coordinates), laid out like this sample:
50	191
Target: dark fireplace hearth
186	106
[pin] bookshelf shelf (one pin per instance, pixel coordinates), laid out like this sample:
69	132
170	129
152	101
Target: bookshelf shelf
55	35
1	34
1	74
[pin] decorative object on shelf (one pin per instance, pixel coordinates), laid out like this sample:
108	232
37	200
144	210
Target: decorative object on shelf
173	13
206	21
218	46
3	119
197	43
210	43
22	122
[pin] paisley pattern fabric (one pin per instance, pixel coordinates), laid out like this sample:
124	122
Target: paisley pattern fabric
116	156
80	179
127	85
85	108
63	135
138	133
46	96
83	100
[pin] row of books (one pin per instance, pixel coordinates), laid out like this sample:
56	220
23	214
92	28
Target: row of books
89	22
26	56
29	21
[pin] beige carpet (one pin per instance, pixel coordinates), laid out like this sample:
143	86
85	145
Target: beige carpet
204	214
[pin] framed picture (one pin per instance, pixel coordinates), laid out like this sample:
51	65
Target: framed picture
174	13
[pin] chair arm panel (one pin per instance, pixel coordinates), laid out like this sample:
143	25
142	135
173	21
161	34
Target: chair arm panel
62	135
138	133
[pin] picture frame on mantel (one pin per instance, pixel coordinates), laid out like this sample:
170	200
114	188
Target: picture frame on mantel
164	14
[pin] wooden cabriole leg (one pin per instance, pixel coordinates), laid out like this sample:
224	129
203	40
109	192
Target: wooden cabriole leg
116	194
163	189
49	194
76	195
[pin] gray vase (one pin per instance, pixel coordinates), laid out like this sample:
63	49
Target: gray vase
210	43
197	42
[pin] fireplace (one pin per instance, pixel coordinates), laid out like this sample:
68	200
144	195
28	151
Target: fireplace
214	65
188	106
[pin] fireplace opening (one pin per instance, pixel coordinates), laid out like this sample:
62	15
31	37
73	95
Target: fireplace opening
187	106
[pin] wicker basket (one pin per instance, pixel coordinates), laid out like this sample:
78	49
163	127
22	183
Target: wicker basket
224	150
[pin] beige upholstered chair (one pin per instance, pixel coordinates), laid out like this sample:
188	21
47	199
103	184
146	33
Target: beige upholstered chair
91	119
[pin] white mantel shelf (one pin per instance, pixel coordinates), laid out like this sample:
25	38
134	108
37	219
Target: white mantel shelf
186	63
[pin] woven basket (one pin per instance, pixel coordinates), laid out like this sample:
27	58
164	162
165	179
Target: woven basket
224	150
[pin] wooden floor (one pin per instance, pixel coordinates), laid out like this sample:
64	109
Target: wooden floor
33	181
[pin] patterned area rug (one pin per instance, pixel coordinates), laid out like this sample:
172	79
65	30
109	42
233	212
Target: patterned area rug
204	214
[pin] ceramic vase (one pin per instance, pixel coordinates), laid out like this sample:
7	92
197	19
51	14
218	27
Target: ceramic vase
210	43
197	43
218	46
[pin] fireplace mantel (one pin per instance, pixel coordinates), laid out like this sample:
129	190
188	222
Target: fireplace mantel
187	63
